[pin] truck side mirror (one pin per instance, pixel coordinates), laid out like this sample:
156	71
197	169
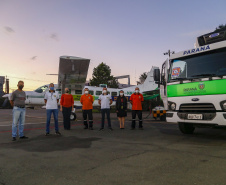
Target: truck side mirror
156	75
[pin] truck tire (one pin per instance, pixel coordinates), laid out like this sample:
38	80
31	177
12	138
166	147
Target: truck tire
73	116
186	128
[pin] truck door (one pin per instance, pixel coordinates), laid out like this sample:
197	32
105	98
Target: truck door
163	85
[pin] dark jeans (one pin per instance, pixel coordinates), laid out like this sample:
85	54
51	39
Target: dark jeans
90	117
107	112
55	115
66	115
139	114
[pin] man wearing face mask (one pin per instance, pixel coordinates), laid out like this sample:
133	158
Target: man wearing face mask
136	99
17	101
87	107
105	101
51	100
66	106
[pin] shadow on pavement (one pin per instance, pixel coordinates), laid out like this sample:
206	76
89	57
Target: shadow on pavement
50	143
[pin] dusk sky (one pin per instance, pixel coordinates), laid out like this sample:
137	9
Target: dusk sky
128	35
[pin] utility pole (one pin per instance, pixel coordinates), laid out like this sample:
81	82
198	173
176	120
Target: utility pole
7	85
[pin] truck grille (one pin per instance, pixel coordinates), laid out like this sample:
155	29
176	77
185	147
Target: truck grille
207	110
197	107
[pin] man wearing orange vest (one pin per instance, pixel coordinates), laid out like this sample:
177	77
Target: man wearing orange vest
87	107
136	99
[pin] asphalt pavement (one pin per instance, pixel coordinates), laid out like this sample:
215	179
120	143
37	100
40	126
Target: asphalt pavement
157	155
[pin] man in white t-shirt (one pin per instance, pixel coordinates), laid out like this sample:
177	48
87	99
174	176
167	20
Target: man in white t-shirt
51	100
105	101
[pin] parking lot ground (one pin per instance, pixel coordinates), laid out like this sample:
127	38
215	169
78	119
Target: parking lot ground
157	155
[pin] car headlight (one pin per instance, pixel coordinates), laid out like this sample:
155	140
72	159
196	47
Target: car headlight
223	105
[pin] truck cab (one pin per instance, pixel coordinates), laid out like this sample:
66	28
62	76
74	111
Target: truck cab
193	86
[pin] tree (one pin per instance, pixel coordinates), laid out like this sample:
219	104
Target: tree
221	27
102	75
142	78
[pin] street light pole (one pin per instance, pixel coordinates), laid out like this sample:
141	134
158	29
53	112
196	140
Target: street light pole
169	52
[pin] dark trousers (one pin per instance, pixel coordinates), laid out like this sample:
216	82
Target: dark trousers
107	112
90	118
139	114
66	116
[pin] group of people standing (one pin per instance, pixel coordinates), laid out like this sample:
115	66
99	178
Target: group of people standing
51	100
136	100
105	102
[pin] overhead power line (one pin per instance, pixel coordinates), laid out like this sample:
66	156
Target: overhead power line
27	79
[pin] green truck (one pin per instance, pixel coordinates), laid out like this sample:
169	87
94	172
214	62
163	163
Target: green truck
193	84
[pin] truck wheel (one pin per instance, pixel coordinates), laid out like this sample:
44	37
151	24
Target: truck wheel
73	116
186	128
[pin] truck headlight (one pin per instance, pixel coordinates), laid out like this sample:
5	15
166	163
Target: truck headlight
223	105
172	106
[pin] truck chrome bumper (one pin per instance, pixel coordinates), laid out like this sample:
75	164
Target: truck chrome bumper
218	119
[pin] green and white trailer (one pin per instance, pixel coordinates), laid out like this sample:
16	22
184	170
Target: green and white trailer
193	87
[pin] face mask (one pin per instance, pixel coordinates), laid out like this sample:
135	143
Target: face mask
86	92
51	88
137	91
121	94
20	87
67	91
104	91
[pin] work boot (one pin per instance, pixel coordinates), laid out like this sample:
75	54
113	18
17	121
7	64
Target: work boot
14	139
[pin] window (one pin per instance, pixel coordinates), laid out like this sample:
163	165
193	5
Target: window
78	91
98	92
199	66
41	89
103	85
91	92
179	69
114	93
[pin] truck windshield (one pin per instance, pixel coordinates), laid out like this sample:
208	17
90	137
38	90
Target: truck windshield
202	65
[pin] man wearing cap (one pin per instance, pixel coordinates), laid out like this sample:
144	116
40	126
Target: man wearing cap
17	101
136	99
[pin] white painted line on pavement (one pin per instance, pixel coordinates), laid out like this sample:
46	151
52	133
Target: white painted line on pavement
10	124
